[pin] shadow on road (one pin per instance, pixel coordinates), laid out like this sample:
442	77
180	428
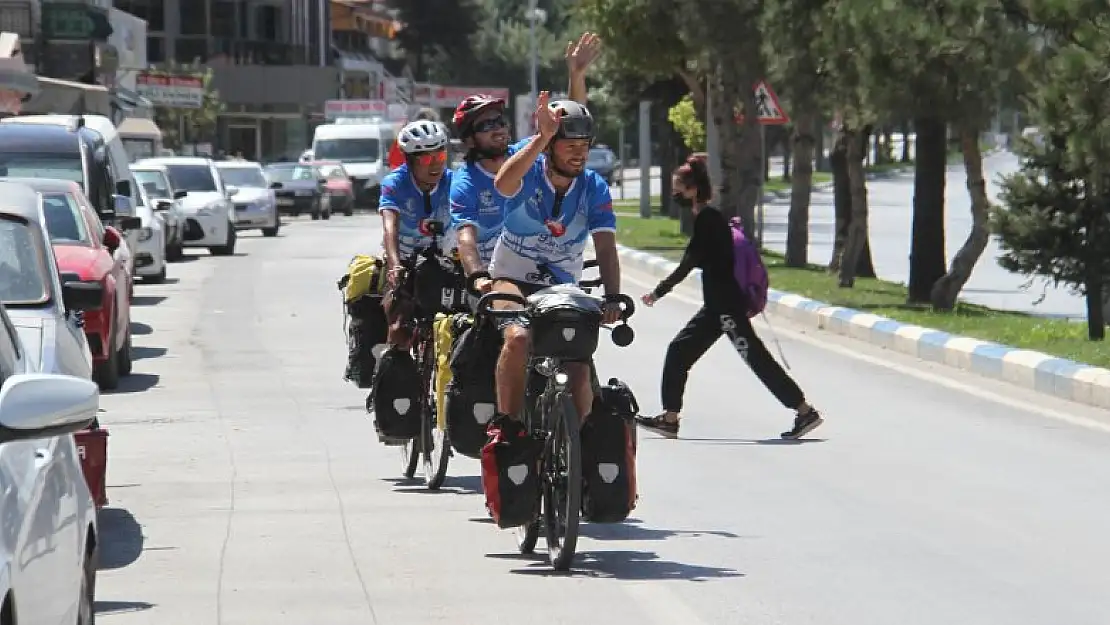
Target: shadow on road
631	529
147	300
105	608
453	485
627	565
121	538
140	329
751	441
146	353
134	383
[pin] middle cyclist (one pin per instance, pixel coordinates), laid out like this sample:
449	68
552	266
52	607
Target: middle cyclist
553	204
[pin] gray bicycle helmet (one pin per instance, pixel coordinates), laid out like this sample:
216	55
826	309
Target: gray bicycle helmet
575	121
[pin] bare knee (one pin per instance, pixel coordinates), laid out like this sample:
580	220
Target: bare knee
517	342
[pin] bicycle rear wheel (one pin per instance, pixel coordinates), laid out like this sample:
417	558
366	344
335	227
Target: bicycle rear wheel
562	484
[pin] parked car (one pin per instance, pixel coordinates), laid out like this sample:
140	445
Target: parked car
44	310
49	552
301	190
255	204
88	251
156	192
602	160
339	191
148	242
209	213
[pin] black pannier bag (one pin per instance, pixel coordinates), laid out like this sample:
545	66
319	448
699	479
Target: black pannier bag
396	396
438	286
565	324
367	329
609	455
472	392
510	475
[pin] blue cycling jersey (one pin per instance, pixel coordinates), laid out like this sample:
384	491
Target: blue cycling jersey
475	202
401	195
541	246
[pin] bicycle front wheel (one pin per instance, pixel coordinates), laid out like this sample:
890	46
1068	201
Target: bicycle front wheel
562	487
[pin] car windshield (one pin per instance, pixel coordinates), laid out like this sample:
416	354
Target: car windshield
348	150
64	220
191	177
599	156
22	271
286	173
53	166
243	177
332	171
154	183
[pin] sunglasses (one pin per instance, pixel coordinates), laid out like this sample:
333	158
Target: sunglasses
488	125
428	158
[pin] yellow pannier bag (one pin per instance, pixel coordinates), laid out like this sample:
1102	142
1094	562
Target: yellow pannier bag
363	277
443	344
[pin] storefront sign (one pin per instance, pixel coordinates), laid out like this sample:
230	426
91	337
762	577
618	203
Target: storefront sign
74	20
184	91
334	109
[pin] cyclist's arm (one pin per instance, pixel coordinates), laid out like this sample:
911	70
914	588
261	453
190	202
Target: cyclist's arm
608	261
691	258
468	249
577	89
510	177
603	228
390	211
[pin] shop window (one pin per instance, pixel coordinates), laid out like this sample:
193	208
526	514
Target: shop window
155	50
190	50
192	18
153	11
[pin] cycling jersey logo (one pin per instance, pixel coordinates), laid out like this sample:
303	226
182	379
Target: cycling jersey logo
555	228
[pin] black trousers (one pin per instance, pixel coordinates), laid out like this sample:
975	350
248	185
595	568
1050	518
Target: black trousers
702	331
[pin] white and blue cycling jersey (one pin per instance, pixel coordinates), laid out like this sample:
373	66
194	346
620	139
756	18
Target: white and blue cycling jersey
540	247
401	195
475	202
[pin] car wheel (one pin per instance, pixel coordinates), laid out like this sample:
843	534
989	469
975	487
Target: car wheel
175	252
125	362
157	278
350	212
227	249
106	373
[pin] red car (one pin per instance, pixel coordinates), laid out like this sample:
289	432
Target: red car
89	251
338	188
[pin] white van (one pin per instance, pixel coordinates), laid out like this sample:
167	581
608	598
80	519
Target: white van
118	160
141	138
362	145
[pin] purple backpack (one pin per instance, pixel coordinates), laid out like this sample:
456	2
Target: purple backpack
749	270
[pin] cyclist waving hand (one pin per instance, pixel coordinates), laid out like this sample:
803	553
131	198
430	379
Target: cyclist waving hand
553	204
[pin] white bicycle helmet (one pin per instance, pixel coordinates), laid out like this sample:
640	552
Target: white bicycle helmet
422	136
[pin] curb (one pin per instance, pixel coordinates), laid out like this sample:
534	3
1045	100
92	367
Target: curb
1039	372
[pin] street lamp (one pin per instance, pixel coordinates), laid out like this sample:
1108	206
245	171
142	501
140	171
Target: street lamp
534	15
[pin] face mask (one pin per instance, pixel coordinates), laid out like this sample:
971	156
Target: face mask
682	200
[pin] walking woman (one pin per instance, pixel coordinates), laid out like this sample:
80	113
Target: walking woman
723	312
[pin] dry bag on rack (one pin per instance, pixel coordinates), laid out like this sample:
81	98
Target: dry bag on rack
396	396
609	455
367	327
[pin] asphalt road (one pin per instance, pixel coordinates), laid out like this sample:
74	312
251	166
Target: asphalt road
247	486
891	218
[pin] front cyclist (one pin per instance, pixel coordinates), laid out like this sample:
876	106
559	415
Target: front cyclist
553	205
481	124
414	194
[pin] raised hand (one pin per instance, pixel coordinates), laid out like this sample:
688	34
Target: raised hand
581	54
547	122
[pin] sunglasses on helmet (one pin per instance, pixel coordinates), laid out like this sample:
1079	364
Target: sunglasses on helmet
426	159
491	124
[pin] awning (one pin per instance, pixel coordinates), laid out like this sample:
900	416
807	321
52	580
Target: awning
139	128
69	98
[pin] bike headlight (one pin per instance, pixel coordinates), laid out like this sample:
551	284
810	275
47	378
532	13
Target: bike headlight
145	234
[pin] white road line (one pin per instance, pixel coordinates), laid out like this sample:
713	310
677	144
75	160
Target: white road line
911	371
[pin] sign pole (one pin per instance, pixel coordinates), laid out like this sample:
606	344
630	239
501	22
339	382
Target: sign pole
762	178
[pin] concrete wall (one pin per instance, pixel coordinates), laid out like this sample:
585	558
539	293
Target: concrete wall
274	84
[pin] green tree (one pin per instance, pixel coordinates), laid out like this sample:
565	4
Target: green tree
436	31
684	118
1055	222
199	124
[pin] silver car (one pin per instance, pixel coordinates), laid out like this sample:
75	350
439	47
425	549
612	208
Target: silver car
253	195
46	314
157	191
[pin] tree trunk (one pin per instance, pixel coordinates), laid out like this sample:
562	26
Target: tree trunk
906	141
842	198
787	156
797	228
927	245
1096	322
857	230
821	161
741	156
947	289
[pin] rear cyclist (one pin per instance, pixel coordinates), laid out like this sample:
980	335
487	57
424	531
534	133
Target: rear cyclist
413	195
553	204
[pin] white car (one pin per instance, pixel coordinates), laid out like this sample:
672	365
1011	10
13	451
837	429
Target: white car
148	242
206	203
155	185
253	196
48	557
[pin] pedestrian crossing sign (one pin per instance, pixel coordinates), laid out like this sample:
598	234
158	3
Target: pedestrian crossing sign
767	103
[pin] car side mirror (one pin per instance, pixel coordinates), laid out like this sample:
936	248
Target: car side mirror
112	239
81	295
163	205
123	206
177	195
322	181
232	191
123	187
275	185
130	223
39	405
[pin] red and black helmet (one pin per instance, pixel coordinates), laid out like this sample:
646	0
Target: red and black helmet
469	109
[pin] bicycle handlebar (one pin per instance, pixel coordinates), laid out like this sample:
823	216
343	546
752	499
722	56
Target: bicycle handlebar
484	306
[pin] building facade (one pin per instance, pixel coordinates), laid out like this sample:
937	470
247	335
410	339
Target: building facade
271	60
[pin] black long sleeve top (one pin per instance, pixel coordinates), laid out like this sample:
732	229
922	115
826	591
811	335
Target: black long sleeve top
710	249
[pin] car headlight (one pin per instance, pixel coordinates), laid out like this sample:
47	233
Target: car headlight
145	234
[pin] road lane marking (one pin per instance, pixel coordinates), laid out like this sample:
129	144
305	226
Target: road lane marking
970	389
